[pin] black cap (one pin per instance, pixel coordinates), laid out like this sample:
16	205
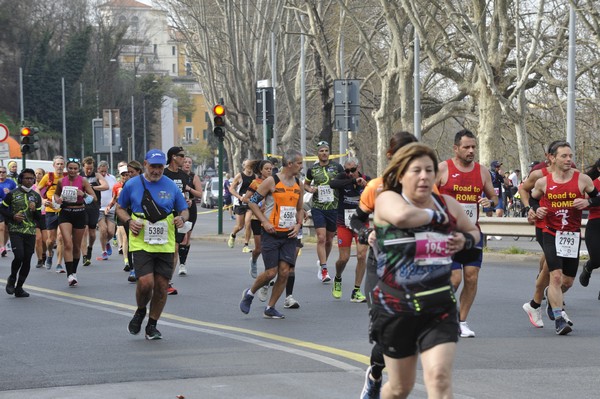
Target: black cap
173	151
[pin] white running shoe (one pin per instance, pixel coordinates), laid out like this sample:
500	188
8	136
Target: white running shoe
290	303
182	270
535	315
465	331
72	280
262	293
569	321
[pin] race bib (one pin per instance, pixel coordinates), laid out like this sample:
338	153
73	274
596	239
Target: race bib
325	193
497	191
347	215
156	233
471	212
567	244
69	194
432	249
287	217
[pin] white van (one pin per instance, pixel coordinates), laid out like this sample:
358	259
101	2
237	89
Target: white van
30	164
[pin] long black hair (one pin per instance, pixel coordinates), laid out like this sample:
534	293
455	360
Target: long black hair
593	171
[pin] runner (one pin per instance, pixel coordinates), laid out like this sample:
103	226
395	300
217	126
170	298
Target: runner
175	158
98	184
41	234
194	190
325	204
240	208
281	223
414	309
121	233
533	307
48	185
21	208
592	231
466	180
6	186
135	169
71	193
152	198
563	192
349	186
106	217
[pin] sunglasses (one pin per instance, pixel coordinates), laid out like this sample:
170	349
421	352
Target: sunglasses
180	155
76	160
320	143
351	170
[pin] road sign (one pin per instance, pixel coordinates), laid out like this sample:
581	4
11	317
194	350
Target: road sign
346	101
264	96
3	132
4	151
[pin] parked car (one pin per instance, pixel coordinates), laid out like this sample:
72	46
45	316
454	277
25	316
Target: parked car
210	196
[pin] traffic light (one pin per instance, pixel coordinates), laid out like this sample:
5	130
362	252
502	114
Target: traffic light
29	140
219	121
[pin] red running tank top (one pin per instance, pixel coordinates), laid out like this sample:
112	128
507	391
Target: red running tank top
465	187
559	201
595	210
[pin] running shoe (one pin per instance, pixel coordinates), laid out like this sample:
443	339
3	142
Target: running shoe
253	268
171	290
272	313
21	293
135	325
262	293
535	315
231	241
325	278
127	267
246	301
108	249
152	333
10	285
584	277
465	331
72	279
371	388
562	328
182	270
291	303
115	242
336	292
86	261
549	311
49	263
246	249
319	271
564	315
60	269
40	264
132	278
103	257
358	297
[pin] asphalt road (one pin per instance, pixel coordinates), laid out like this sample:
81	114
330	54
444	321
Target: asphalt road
72	342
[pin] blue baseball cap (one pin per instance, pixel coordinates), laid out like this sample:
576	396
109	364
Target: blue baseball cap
156	157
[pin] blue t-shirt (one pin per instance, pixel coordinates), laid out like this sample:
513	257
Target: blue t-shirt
8	184
165	193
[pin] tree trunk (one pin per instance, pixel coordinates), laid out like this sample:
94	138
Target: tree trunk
490	114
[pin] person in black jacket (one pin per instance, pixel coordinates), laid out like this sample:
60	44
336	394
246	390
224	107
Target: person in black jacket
349	186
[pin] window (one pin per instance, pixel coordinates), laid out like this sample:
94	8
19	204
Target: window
204	135
189	134
134	22
188	118
174	68
155	48
173	49
122	20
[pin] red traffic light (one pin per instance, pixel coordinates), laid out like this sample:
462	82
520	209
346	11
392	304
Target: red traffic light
25	131
219	110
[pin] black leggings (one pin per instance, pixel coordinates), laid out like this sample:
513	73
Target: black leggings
592	238
23	247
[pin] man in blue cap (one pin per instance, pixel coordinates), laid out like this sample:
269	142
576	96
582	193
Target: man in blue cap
152	236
